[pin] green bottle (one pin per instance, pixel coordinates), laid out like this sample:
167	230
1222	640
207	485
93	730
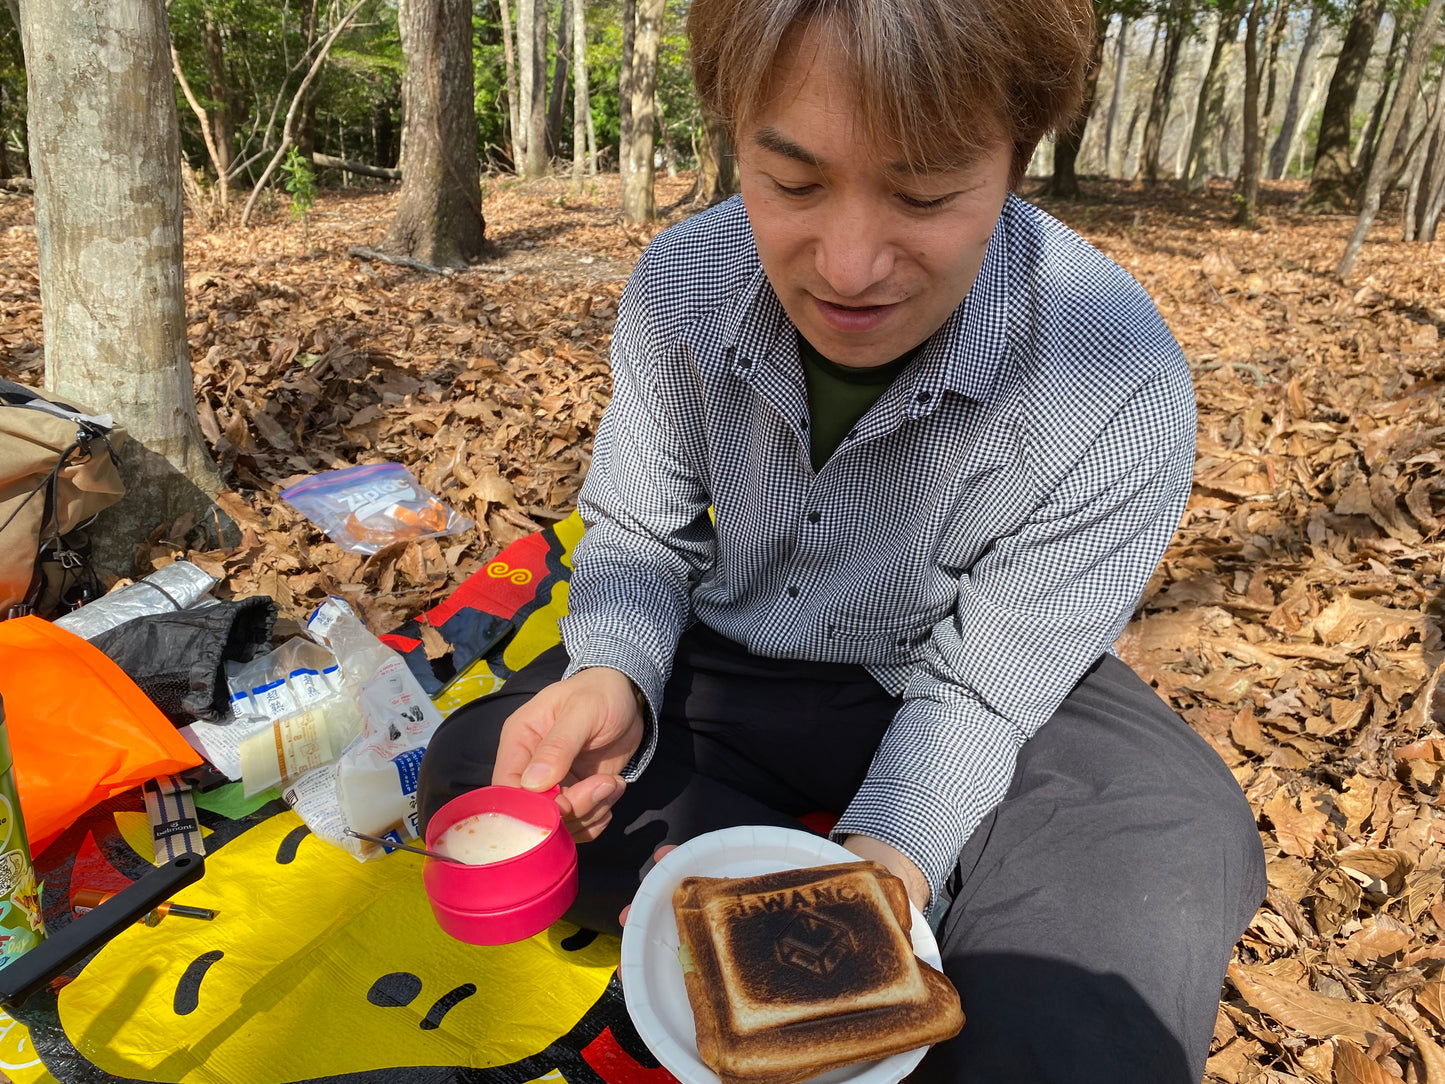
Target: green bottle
22	925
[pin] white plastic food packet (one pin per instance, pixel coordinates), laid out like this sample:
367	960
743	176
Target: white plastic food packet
376	775
289	714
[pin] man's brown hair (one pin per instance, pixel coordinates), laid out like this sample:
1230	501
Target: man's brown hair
935	78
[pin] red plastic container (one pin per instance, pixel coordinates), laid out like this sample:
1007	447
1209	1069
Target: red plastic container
502	902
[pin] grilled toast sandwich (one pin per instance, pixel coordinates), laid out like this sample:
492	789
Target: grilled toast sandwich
792	974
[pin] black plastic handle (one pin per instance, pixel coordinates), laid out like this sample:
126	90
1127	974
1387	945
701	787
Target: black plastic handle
78	939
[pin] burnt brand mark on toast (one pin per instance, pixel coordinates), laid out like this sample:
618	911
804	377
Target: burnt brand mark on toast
792	899
814	944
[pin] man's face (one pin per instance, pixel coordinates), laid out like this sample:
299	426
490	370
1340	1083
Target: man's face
868	257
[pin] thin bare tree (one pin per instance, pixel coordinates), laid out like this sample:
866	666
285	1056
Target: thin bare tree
1421	41
288	129
581	101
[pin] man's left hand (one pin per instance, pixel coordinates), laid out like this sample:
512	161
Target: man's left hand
896	862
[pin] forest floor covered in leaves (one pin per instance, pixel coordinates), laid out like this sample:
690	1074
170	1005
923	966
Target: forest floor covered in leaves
1296	622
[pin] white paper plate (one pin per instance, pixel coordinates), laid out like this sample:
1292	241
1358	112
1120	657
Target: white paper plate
652	977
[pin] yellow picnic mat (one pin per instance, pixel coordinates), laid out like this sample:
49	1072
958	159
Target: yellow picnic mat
319	968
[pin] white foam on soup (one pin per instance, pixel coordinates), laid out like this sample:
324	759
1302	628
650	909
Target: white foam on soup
489	837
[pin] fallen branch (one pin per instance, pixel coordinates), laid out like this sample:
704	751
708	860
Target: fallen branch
622	223
327	162
400	261
1237	366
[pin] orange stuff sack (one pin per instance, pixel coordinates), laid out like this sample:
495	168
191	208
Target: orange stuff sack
80	729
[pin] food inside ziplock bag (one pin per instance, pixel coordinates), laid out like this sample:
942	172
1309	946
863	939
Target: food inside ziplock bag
363	509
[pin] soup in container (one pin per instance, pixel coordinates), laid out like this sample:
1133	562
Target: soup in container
517	872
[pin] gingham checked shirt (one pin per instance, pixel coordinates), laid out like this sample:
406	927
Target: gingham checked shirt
977	542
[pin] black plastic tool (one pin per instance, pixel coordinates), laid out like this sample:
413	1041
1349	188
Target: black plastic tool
73	942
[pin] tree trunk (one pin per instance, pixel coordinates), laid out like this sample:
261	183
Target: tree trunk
1331	180
1271	70
532	68
223	132
1121	71
660	126
591	143
1365	151
1211	98
383	129
222	178
1421	42
1432	173
638	203
1175	31
1134	115
1304	67
717	165
514	120
305	129
326	161
557	101
1064	182
108	228
581	105
1249	168
624	97
439	216
1417	194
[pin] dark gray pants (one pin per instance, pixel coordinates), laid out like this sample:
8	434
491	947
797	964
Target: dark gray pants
1091	914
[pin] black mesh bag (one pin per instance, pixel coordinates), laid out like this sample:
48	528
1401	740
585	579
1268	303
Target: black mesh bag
179	659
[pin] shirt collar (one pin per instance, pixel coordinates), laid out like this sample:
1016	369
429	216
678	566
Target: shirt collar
963	356
966	353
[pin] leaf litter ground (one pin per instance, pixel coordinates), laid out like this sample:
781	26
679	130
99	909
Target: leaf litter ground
1296	622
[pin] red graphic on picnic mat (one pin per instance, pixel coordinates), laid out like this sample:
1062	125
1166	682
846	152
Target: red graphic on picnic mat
616	1066
480	617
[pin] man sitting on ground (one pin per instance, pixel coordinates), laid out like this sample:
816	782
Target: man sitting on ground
890	457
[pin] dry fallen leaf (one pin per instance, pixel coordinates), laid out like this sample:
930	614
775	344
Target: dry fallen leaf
1431	998
1314	1014
1352	1066
433	642
1431	1056
1297	829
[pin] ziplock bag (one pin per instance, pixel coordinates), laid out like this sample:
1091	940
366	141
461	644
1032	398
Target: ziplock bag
363	509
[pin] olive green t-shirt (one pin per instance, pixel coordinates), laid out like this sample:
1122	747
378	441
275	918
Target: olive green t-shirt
838	395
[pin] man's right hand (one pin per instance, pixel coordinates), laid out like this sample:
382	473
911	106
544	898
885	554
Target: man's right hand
580	733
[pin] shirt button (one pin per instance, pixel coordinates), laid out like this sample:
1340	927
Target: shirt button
852	434
803	424
814	517
746	363
792	592
924	395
